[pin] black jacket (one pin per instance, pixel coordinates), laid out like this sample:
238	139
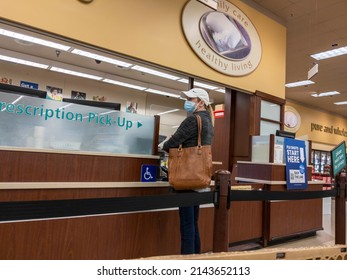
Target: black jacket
187	132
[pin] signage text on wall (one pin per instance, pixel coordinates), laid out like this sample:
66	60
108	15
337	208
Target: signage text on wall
328	129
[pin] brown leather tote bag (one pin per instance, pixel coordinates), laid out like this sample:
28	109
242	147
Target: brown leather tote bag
190	168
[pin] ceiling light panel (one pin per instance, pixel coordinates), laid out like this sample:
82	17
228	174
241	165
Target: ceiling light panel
204	85
185	81
341	103
154	72
101	58
323	94
222	90
114	82
75	73
299	83
330	53
168	112
34	40
162	93
24	62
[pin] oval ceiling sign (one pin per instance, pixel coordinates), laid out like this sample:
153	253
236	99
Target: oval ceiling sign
225	39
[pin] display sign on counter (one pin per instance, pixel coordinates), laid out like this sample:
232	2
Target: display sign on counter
296	164
148	173
338	156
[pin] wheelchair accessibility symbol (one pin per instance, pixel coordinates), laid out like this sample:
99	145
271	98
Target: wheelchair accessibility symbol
148	173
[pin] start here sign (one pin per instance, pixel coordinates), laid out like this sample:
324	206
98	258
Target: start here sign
296	164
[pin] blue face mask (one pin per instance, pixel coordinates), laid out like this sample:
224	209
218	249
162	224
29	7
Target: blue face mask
189	106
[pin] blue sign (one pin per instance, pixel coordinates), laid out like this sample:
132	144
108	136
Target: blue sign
296	165
29	85
148	173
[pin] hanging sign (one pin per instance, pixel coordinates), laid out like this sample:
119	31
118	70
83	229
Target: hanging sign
296	164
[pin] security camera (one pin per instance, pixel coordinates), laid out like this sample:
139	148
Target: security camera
97	61
57	52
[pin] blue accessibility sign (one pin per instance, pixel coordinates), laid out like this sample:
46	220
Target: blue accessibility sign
148	173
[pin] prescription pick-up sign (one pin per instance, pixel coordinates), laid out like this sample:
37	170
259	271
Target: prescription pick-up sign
296	164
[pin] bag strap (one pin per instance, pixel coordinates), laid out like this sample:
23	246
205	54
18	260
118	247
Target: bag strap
198	119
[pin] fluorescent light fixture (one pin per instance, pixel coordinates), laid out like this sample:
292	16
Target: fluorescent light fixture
22	61
168	112
300	83
222	90
123	84
75	73
341	103
205	85
34	40
322	94
101	58
329	54
185	81
162	92
154	72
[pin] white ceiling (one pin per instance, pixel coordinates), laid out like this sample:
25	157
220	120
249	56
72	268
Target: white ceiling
313	26
66	59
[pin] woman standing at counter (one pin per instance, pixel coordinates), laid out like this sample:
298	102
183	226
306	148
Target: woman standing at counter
197	102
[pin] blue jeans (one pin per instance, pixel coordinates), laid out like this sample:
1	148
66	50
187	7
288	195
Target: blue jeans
190	238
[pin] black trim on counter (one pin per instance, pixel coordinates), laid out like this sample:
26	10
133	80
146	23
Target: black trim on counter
45	209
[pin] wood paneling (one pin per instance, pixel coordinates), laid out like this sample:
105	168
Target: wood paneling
220	145
246	221
269	172
122	236
294	217
242	122
20	166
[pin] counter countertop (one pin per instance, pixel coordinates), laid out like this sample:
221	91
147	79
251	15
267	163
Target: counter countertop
265	163
250	180
75	152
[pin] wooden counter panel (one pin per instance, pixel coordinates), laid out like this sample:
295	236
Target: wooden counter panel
294	217
21	166
246	220
111	237
266	171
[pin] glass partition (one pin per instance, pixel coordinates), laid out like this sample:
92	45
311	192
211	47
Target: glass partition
30	122
261	149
